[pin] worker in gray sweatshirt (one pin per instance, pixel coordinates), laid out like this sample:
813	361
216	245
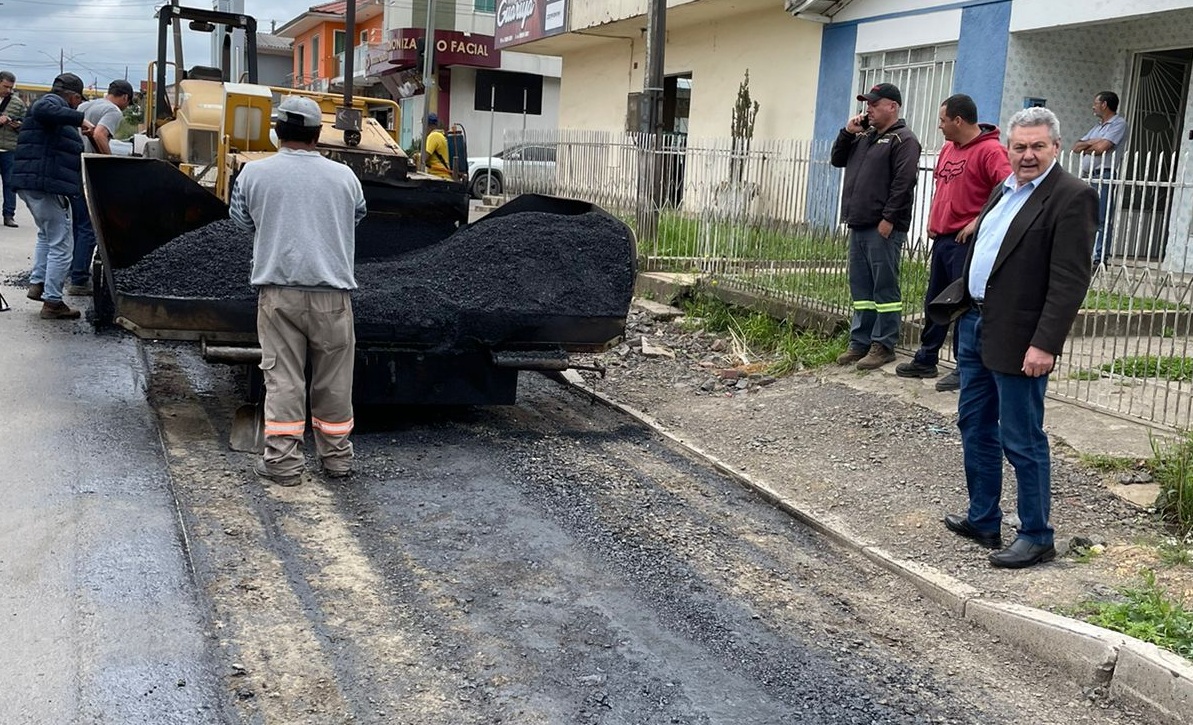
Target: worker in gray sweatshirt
303	210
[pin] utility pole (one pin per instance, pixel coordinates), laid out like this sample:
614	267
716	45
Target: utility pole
650	122
652	82
428	82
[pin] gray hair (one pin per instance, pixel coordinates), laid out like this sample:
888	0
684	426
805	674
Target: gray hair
7	76
1037	116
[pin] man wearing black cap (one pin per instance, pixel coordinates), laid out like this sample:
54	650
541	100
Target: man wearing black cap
881	157
46	174
105	114
303	209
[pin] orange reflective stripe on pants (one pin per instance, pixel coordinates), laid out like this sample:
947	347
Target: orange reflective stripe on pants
332	429
283	428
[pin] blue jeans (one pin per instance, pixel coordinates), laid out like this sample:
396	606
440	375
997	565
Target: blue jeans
998	415
1104	183
7	159
947	264
80	266
52	255
874	286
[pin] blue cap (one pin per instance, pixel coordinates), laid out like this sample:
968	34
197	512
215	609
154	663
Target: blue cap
433	118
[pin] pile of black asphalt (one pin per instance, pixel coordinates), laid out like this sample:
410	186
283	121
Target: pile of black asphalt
508	272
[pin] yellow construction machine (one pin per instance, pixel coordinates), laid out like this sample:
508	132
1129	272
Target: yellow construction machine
453	325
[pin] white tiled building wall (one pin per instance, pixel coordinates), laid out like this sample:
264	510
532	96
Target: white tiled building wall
1068	66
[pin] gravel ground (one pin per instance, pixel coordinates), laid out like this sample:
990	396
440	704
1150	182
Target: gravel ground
888	468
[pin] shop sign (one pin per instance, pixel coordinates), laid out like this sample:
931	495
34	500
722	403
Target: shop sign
452	47
523	21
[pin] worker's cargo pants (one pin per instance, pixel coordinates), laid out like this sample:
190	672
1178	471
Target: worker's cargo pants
292	326
874	286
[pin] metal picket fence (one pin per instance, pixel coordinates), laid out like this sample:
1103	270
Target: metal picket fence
762	218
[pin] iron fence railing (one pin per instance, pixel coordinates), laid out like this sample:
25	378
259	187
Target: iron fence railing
763	217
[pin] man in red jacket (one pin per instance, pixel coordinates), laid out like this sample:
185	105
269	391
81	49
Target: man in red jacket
972	162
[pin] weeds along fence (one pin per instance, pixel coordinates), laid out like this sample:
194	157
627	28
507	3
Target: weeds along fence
762	218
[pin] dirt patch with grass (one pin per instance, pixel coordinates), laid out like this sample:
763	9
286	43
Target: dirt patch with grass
888	466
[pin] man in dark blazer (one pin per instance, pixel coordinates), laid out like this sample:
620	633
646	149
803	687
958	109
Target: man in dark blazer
1025	278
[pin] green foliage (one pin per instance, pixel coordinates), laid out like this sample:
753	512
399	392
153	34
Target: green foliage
1114	301
708	314
1172	468
1175	552
745	111
1148	613
791	349
1108	464
1085	374
1151	366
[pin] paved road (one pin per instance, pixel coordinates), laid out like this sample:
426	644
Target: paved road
552	562
548	562
99	618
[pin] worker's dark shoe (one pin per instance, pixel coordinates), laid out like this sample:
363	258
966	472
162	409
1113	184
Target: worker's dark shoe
1022	554
960	525
878	356
51	310
850	356
79	290
915	369
36	290
10	222
262	470
337	473
949	383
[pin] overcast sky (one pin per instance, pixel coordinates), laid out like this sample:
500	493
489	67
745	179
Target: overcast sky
101	40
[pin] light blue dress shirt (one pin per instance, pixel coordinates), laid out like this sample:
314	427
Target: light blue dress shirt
994	228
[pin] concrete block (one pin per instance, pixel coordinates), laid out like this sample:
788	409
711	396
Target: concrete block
1155	679
657	310
1086	652
947	591
666	287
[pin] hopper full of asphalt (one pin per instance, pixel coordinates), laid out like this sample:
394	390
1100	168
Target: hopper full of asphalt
525	276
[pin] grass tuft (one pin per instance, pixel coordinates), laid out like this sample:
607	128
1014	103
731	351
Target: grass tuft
1147	613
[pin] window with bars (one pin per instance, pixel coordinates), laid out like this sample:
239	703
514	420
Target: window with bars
485	6
924	77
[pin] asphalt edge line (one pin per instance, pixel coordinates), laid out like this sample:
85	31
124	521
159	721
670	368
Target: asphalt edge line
1157	680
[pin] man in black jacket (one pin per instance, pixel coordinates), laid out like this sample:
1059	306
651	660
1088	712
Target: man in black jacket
881	157
1025	278
46	172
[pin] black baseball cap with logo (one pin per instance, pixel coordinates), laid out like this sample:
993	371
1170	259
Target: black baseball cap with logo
883	90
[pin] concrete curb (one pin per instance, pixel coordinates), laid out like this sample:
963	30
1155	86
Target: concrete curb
1086	652
1157	681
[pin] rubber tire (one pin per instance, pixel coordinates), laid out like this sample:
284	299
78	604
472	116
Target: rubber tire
103	309
486	184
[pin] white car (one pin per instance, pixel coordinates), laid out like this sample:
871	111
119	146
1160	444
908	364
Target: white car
526	165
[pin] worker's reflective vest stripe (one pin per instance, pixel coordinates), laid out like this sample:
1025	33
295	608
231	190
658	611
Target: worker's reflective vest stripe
285	428
332	429
877	306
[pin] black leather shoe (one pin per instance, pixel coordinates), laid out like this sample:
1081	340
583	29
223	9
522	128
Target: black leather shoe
1022	553
960	525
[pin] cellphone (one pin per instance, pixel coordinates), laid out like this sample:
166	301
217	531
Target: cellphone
865	122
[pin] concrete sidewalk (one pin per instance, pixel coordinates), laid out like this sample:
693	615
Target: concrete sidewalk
98	611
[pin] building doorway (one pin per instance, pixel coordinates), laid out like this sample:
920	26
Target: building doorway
677	105
1156	100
